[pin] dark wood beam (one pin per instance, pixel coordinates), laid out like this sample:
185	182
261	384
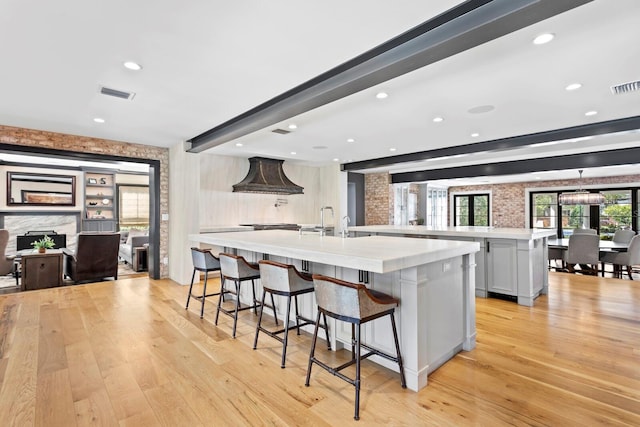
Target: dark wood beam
463	27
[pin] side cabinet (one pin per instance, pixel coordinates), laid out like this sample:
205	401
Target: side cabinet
502	266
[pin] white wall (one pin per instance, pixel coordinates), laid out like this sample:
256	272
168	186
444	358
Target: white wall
220	206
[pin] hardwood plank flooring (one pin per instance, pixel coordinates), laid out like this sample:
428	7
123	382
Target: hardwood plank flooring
127	353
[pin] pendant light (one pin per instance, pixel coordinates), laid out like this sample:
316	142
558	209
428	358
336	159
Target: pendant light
580	197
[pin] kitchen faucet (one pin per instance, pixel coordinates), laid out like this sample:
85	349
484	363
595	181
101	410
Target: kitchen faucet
344	231
322	209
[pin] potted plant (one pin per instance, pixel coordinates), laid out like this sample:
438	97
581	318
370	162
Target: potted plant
43	244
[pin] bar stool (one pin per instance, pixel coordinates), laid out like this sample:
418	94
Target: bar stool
204	261
285	280
237	269
356	304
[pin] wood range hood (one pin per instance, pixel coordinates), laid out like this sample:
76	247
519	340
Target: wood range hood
266	176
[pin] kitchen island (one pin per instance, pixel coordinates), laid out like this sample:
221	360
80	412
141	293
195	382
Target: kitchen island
434	280
512	261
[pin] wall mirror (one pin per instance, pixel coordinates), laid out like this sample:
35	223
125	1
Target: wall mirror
40	189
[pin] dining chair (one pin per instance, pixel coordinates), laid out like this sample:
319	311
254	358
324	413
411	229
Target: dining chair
584	250
624	259
584	231
555	254
620	236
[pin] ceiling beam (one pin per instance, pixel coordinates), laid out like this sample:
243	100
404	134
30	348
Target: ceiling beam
502	144
463	27
622	156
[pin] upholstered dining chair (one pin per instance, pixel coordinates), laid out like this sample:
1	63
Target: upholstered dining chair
584	231
584	250
624	259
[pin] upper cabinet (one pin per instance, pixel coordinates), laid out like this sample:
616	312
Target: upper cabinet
99	201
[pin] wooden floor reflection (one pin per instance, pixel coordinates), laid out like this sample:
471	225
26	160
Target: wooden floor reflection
127	353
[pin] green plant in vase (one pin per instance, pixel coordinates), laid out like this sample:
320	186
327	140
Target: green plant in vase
43	244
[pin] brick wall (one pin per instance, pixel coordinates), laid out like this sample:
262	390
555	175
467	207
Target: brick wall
378	199
508	200
83	144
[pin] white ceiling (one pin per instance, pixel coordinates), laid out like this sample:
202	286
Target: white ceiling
205	62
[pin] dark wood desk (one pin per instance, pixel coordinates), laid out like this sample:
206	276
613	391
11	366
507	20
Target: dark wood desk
40	271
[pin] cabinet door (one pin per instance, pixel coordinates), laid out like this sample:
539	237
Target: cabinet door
502	268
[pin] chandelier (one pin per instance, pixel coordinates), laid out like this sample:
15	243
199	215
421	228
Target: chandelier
580	197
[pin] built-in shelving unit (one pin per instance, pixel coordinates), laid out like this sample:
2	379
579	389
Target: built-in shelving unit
99	202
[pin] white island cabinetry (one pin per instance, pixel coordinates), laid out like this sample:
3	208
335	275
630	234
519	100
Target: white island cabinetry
434	281
511	261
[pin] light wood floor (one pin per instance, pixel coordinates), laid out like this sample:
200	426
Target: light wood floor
127	353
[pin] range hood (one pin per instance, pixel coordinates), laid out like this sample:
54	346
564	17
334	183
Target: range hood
266	176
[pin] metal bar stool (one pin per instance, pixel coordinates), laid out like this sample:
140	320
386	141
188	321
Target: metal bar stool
356	304
204	261
285	280
237	269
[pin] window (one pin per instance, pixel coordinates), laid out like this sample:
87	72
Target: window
616	213
471	209
133	206
436	207
545	210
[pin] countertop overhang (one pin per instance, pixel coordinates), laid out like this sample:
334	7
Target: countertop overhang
377	254
470	231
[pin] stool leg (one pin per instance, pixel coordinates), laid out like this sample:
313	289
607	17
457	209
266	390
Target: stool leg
313	349
297	315
204	292
357	382
326	331
235	313
255	340
353	348
286	332
193	277
395	338
221	298
255	302
273	305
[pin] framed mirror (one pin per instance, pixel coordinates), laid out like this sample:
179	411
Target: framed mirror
40	189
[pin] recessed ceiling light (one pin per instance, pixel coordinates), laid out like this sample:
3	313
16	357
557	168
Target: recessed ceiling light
98	120
438	119
591	113
543	38
392	149
238	144
475	135
382	95
351	140
573	86
336	160
481	109
293	126
132	66
293	153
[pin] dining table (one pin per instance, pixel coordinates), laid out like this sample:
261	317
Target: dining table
604	245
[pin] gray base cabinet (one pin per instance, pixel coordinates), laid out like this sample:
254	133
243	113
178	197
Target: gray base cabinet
98	225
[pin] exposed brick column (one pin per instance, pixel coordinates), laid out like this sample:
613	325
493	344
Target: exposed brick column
377	202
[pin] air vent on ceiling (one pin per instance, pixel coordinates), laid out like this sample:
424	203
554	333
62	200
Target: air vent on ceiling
625	87
116	93
281	131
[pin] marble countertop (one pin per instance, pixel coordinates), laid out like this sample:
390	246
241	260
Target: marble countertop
225	228
491	232
377	254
